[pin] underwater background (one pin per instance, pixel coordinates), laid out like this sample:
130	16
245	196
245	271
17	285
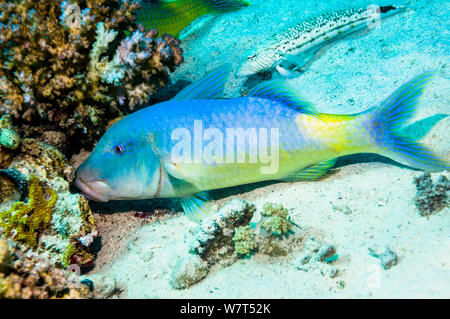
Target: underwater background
371	228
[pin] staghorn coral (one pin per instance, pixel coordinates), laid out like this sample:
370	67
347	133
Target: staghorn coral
72	66
431	198
24	220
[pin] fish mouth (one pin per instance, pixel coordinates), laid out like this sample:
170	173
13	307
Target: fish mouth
96	190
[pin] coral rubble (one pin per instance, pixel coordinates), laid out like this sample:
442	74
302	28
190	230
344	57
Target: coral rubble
387	257
317	256
431	198
224	237
213	238
26	274
73	66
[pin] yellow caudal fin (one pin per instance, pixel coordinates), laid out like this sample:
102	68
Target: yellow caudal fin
172	16
387	122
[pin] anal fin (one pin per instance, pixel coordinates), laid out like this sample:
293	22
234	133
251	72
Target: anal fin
197	206
311	172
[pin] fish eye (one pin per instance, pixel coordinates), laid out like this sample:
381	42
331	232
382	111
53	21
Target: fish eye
119	149
251	57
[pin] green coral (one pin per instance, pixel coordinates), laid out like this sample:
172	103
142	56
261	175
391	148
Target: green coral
244	240
26	219
276	219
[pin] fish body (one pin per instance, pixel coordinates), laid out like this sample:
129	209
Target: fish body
172	16
299	43
181	147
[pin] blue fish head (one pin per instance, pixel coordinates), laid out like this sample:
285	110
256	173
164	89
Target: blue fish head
123	165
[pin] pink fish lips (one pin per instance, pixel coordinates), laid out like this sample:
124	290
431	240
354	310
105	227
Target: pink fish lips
95	190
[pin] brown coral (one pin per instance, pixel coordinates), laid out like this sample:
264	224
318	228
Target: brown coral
49	77
26	274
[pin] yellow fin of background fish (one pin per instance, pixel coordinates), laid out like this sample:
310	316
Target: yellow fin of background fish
172	16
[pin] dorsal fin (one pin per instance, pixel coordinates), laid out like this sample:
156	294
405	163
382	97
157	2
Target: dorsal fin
276	91
208	87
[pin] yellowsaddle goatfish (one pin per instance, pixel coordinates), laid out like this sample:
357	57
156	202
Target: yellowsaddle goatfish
161	151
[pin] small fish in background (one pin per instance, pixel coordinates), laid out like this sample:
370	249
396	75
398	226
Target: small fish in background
300	43
134	158
172	16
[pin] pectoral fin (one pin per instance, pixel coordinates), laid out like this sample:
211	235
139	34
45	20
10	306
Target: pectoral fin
197	207
312	172
299	60
285	73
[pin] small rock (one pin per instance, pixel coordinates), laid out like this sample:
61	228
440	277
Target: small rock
325	252
387	257
188	270
103	286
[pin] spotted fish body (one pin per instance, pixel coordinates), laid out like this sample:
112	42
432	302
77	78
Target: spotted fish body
135	158
172	16
306	37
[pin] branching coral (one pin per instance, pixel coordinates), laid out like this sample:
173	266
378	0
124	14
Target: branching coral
275	219
24	220
72	66
244	240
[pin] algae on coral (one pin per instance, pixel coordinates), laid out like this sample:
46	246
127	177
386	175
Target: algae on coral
23	220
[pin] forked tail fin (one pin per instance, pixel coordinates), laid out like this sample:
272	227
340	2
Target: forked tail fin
388	119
